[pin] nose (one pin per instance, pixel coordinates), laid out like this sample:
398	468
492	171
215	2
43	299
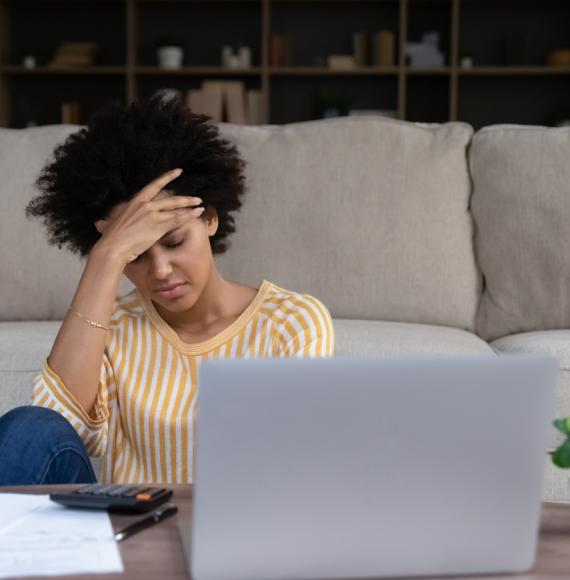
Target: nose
160	266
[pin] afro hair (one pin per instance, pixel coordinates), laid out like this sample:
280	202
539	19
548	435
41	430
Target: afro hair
121	150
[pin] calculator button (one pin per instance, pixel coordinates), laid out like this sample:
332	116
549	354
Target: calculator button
102	490
134	491
118	490
87	488
145	496
112	490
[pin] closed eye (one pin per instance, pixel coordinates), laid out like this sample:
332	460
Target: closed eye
138	258
175	245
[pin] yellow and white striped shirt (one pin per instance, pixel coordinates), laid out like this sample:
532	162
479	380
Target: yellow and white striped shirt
145	408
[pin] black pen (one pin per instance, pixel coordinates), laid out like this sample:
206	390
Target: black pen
156	516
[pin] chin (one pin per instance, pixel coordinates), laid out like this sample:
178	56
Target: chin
180	304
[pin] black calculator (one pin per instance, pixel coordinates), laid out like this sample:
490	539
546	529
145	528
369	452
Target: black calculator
115	498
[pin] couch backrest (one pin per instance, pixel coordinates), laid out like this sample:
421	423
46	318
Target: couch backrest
369	214
37	281
521	206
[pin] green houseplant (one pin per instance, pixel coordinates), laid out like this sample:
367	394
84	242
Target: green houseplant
561	455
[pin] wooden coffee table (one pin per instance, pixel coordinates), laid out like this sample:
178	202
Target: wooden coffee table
156	553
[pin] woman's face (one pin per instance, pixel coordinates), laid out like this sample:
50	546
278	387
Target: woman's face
183	256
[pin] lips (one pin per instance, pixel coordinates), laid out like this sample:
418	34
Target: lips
164	288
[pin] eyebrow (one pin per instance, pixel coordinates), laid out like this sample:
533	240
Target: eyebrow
165	236
170	232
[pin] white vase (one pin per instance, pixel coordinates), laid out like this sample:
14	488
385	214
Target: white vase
227	54
244	56
234	61
170	57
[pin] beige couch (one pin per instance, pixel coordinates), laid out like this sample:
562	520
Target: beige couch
419	238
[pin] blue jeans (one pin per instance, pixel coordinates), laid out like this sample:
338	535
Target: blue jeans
40	446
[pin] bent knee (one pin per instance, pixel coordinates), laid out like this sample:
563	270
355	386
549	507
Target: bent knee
31	422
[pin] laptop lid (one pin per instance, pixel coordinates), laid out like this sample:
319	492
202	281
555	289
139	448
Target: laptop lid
348	468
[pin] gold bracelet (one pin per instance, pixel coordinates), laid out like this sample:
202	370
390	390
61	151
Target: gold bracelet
91	322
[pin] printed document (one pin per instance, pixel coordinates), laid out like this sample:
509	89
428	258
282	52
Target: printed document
39	537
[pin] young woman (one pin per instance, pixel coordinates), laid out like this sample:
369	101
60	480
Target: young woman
148	191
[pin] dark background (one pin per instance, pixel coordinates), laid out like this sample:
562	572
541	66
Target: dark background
508	40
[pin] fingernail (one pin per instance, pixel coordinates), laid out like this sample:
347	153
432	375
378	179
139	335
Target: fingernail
178	171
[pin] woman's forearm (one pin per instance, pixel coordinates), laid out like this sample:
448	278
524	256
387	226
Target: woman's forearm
77	352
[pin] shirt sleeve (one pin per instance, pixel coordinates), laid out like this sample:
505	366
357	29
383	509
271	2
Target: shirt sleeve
49	391
307	328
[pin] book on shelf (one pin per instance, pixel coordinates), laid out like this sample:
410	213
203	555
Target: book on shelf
70	113
226	101
235	102
383	50
74	54
341	61
212	100
360	46
254	107
279	49
194	100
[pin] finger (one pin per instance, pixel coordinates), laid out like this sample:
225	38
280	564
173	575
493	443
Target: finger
152	189
197	211
180	214
175	201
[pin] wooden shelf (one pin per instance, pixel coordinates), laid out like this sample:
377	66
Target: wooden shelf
197	70
70	1
427	71
325	71
44	70
346	1
491	70
193	1
515	70
286	71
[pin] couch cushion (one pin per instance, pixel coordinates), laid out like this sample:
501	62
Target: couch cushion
521	204
376	338
369	214
555	343
23	348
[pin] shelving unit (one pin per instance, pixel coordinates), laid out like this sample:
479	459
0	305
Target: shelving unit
496	89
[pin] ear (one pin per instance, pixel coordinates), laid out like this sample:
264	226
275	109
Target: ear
212	221
101	225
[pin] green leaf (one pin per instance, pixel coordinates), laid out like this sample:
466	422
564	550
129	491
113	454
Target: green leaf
561	456
562	425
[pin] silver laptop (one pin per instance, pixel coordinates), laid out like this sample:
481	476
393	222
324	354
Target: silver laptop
353	468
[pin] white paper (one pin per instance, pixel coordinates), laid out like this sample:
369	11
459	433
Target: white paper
15	507
39	537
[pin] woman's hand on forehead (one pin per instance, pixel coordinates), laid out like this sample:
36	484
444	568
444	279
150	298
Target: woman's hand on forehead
103	224
133	226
